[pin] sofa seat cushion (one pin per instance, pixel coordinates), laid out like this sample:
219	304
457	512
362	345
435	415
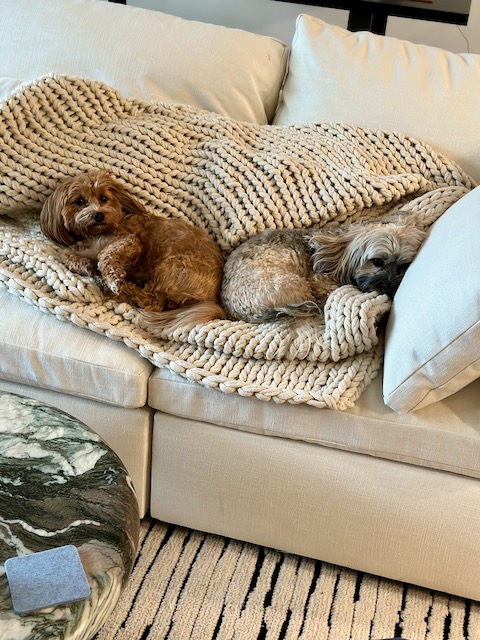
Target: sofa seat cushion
381	82
444	435
148	55
41	351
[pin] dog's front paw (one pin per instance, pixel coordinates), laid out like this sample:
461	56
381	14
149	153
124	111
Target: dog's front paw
114	283
110	287
101	284
79	264
112	274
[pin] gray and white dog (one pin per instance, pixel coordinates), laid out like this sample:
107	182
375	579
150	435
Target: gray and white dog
289	273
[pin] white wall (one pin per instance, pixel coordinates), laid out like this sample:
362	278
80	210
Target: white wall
278	19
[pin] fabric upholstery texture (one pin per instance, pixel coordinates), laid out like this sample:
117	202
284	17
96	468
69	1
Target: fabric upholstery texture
444	435
385	83
391	519
433	332
148	55
67	358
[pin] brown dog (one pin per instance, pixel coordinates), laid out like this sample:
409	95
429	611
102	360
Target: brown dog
168	268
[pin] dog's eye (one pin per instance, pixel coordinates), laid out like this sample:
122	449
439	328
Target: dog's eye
103	199
377	262
80	202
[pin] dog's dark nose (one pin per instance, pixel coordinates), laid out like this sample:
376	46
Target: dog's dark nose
389	288
99	216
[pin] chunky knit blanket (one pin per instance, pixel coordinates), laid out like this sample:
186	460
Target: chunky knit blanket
234	179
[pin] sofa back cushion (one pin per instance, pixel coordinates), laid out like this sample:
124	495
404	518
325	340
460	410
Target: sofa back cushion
144	54
384	83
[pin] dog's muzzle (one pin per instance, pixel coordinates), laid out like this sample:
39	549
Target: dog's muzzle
385	281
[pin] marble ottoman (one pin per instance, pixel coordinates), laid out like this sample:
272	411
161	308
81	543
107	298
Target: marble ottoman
60	484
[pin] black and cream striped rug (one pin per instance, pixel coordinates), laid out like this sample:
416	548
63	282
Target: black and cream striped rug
188	585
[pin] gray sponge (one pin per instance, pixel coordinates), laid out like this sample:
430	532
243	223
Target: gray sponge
45	579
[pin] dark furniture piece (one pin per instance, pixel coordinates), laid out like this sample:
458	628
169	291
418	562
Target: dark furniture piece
62	485
372	15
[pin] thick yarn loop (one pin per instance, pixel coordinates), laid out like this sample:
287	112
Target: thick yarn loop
234	179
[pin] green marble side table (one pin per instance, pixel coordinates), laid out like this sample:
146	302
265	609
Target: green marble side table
60	484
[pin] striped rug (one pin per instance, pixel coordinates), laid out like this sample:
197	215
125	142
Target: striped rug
188	585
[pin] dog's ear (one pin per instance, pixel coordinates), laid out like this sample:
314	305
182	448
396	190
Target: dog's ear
329	246
51	218
130	206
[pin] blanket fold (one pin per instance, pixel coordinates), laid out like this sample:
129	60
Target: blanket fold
235	180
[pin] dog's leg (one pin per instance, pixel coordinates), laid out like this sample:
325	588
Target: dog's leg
114	261
322	286
137	296
78	263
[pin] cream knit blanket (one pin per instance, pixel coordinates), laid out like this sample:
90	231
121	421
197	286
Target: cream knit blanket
234	179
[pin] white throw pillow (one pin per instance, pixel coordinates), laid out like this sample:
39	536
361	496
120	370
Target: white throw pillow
144	54
384	83
9	85
433	332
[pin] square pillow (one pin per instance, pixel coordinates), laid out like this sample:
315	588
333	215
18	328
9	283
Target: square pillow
384	83
144	54
433	333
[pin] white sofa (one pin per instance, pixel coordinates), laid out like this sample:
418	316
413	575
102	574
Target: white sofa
390	486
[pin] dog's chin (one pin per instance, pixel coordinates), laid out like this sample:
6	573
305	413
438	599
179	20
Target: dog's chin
89	230
378	282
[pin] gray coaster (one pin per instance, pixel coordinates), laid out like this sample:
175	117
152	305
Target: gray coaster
45	579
